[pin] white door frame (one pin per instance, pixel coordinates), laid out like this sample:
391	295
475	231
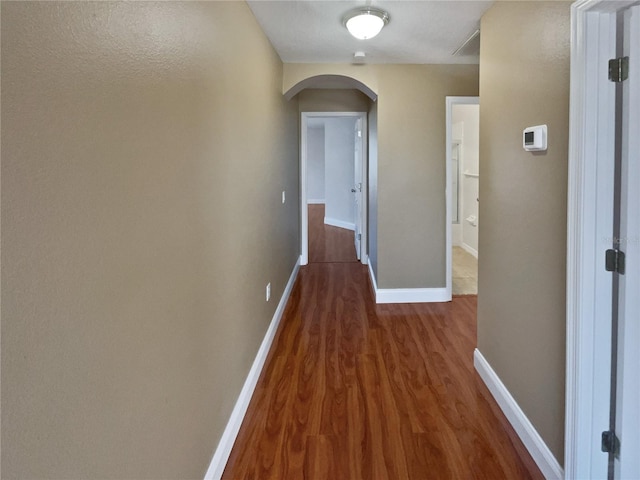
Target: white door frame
304	214
450	102
628	418
589	231
358	172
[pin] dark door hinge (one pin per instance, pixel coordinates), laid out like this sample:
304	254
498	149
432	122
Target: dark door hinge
619	69
610	443
614	261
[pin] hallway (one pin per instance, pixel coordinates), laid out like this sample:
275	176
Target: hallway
328	243
153	215
355	390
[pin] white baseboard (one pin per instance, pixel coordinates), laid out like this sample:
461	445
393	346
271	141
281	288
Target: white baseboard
221	455
339	223
469	249
407	295
412	295
315	201
532	440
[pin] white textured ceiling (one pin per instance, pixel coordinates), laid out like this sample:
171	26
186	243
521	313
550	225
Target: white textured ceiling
422	31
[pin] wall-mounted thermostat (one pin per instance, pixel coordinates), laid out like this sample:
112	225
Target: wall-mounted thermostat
535	138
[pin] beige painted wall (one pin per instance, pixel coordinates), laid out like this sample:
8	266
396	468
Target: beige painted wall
333	100
411	171
524	81
411	163
144	150
295	73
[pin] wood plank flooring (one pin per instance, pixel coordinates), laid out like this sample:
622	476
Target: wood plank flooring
326	242
354	390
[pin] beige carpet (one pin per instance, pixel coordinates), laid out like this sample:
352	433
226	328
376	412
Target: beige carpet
465	272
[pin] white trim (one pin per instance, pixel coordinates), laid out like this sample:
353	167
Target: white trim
407	295
304	215
532	440
315	201
412	295
334	222
469	249
589	222
628	414
221	455
450	102
304	210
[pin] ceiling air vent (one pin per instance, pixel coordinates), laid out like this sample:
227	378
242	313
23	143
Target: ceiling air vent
471	46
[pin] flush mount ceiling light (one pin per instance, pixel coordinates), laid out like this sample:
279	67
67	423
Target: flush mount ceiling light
366	22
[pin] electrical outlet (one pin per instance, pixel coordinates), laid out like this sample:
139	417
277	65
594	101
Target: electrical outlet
268	291
283	196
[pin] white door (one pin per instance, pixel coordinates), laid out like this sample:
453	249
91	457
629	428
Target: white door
627	411
357	188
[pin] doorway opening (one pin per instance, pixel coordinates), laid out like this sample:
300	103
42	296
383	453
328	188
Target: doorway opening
462	177
333	187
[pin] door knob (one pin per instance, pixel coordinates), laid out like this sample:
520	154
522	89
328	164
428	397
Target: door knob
353	190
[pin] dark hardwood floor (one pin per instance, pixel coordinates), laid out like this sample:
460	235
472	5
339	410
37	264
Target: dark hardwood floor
328	243
354	390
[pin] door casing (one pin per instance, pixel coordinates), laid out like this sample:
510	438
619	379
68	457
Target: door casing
589	232
450	102
304	214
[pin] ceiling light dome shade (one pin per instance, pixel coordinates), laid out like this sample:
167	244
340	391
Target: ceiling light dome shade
364	23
